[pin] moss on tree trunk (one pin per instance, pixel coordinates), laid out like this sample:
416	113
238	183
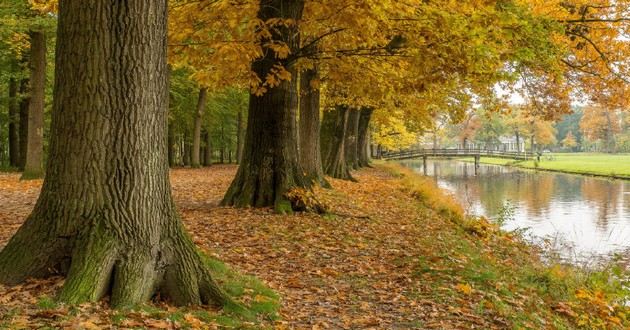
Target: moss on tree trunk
105	217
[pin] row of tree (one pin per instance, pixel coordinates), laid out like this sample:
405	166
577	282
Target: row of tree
590	128
319	75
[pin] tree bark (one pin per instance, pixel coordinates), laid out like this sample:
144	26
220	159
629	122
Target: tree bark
351	139
14	122
269	165
239	136
33	165
334	126
363	143
196	146
309	128
105	216
171	146
24	98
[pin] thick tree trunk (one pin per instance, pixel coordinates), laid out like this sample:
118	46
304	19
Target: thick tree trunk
24	98
309	128
34	162
351	139
14	122
196	146
239	136
269	165
208	154
334	126
105	216
363	143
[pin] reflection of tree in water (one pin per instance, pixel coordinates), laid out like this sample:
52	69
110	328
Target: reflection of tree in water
568	188
535	191
494	185
606	196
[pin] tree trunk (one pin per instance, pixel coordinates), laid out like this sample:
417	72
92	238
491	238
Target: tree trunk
222	150
309	128
269	165
14	122
186	150
518	141
239	136
105	216
334	126
363	137
208	154
171	146
196	146
351	139
24	98
33	165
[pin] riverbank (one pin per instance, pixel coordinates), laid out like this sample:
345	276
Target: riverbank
394	252
606	165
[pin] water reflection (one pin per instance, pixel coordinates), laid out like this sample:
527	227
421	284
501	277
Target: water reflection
591	214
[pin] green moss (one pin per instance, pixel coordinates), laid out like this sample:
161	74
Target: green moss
262	302
283	206
46	302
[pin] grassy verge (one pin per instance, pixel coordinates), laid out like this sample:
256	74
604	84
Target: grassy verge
480	270
616	166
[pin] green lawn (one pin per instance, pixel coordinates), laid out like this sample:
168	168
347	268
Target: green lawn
615	165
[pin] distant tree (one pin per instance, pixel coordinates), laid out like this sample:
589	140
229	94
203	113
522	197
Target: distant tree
601	124
570	123
569	141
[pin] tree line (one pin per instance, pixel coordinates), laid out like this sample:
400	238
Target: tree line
311	81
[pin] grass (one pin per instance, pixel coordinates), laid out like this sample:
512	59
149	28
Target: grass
481	270
611	165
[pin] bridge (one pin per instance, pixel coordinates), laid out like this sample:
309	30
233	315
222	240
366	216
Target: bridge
454	153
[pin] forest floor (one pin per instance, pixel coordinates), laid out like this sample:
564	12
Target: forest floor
598	164
392	253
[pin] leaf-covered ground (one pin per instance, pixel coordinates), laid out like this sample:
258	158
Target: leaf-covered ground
381	259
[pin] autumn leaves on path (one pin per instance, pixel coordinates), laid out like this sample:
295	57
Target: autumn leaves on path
349	271
380	259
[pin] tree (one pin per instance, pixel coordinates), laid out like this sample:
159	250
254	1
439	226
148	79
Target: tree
600	123
196	146
310	126
34	159
105	217
269	166
569	141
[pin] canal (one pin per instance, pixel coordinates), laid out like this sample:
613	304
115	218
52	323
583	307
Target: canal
579	217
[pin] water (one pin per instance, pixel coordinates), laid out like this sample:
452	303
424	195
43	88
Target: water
579	216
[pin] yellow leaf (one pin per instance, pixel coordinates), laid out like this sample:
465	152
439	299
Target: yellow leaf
464	288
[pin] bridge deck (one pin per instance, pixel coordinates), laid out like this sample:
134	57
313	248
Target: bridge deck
453	153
